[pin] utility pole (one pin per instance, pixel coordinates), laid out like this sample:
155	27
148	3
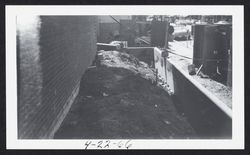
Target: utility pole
202	18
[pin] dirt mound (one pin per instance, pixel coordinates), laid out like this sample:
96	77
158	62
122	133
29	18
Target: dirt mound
116	59
118	100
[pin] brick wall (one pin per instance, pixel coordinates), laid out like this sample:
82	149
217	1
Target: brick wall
52	54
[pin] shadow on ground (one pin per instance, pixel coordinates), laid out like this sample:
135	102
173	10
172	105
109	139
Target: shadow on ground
114	102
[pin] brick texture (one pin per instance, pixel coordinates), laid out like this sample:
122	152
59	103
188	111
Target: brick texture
52	53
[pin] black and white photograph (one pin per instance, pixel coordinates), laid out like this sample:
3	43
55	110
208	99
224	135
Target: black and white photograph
131	77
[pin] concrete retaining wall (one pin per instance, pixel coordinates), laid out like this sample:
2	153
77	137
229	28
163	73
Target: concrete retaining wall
205	116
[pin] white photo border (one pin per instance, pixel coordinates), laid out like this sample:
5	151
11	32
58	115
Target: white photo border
238	129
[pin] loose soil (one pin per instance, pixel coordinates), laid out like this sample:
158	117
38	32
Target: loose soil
118	99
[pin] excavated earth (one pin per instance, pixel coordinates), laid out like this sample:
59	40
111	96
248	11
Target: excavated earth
119	99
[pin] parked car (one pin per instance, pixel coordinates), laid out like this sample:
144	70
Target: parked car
222	22
181	32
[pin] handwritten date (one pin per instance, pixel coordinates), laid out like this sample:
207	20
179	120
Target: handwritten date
106	144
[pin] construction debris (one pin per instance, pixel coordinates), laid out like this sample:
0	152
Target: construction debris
191	69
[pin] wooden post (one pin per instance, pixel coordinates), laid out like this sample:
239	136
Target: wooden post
166	36
156	77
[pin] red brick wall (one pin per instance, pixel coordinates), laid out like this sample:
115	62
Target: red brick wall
53	53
